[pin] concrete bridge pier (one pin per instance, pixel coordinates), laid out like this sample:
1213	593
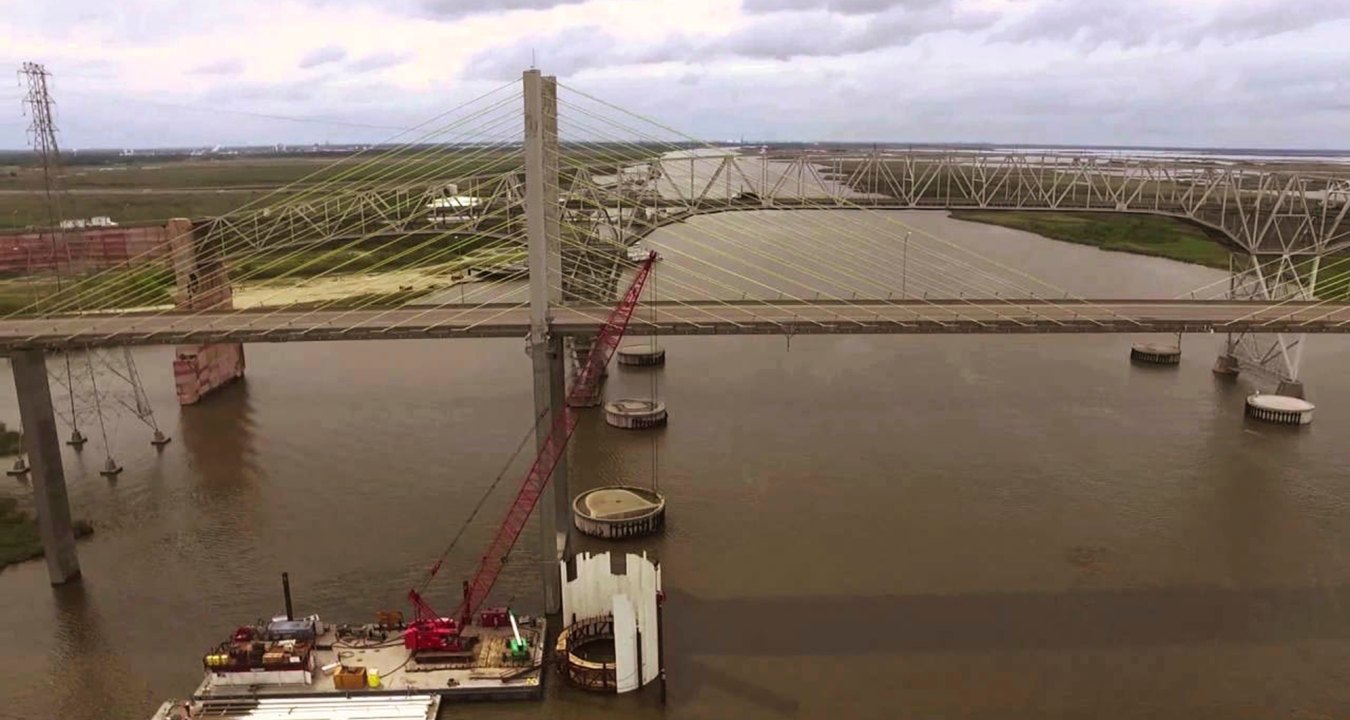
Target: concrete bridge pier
1275	277
202	284
550	378
50	499
1290	398
1291	388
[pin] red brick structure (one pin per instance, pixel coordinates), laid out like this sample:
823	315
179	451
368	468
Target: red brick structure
78	250
202	284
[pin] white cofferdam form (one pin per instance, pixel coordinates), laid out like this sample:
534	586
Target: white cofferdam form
630	598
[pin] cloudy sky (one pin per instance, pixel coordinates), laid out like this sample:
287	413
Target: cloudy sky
1233	73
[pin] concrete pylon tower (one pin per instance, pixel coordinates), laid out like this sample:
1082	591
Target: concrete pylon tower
546	348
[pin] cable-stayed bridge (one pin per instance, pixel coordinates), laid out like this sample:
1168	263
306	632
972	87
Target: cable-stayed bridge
619	177
859	317
530	222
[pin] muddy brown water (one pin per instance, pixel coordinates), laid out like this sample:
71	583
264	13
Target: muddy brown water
884	526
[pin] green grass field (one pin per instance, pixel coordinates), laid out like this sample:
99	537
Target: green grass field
102	291
11	441
19	539
23	210
149	189
1140	234
374	256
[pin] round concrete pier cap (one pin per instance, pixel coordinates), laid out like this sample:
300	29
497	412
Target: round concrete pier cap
633	414
619	511
642	355
1155	354
1280	409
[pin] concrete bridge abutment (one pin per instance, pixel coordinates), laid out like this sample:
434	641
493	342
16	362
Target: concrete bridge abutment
202	284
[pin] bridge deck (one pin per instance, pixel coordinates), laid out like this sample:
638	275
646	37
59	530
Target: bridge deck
673	318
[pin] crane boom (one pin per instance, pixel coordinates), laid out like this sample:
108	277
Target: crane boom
606	342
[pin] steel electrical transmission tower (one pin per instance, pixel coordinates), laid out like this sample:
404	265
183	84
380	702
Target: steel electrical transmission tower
42	134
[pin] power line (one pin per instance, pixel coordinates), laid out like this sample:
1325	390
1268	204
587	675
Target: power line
213	109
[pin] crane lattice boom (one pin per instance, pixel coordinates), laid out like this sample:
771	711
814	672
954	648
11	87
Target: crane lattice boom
606	342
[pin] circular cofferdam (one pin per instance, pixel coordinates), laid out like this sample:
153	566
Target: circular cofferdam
619	511
1279	409
635	414
642	356
1155	354
585	654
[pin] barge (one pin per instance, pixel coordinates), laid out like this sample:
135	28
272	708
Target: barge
297	668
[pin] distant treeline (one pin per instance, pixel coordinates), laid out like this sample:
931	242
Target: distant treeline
105	157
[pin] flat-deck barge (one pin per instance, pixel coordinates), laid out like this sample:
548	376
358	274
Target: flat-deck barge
303	669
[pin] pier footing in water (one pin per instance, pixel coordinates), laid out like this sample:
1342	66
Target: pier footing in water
1155	354
633	414
642	356
619	512
1279	409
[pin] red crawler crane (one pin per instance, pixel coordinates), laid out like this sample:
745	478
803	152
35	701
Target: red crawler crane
429	630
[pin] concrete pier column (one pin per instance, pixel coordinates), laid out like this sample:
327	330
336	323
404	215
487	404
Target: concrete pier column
580	347
50	500
550	378
1227	365
1291	388
202	284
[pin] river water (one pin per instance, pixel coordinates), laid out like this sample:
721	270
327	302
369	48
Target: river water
884	526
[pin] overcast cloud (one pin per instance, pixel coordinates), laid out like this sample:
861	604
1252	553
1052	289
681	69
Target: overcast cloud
1252	73
231	66
323	56
460	8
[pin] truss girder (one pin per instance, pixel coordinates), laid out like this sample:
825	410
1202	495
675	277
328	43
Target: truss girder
1259	211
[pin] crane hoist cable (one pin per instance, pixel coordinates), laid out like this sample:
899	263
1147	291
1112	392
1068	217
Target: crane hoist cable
550	452
479	506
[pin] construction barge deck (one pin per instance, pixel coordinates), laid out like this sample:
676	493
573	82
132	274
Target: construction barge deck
294	668
480	673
